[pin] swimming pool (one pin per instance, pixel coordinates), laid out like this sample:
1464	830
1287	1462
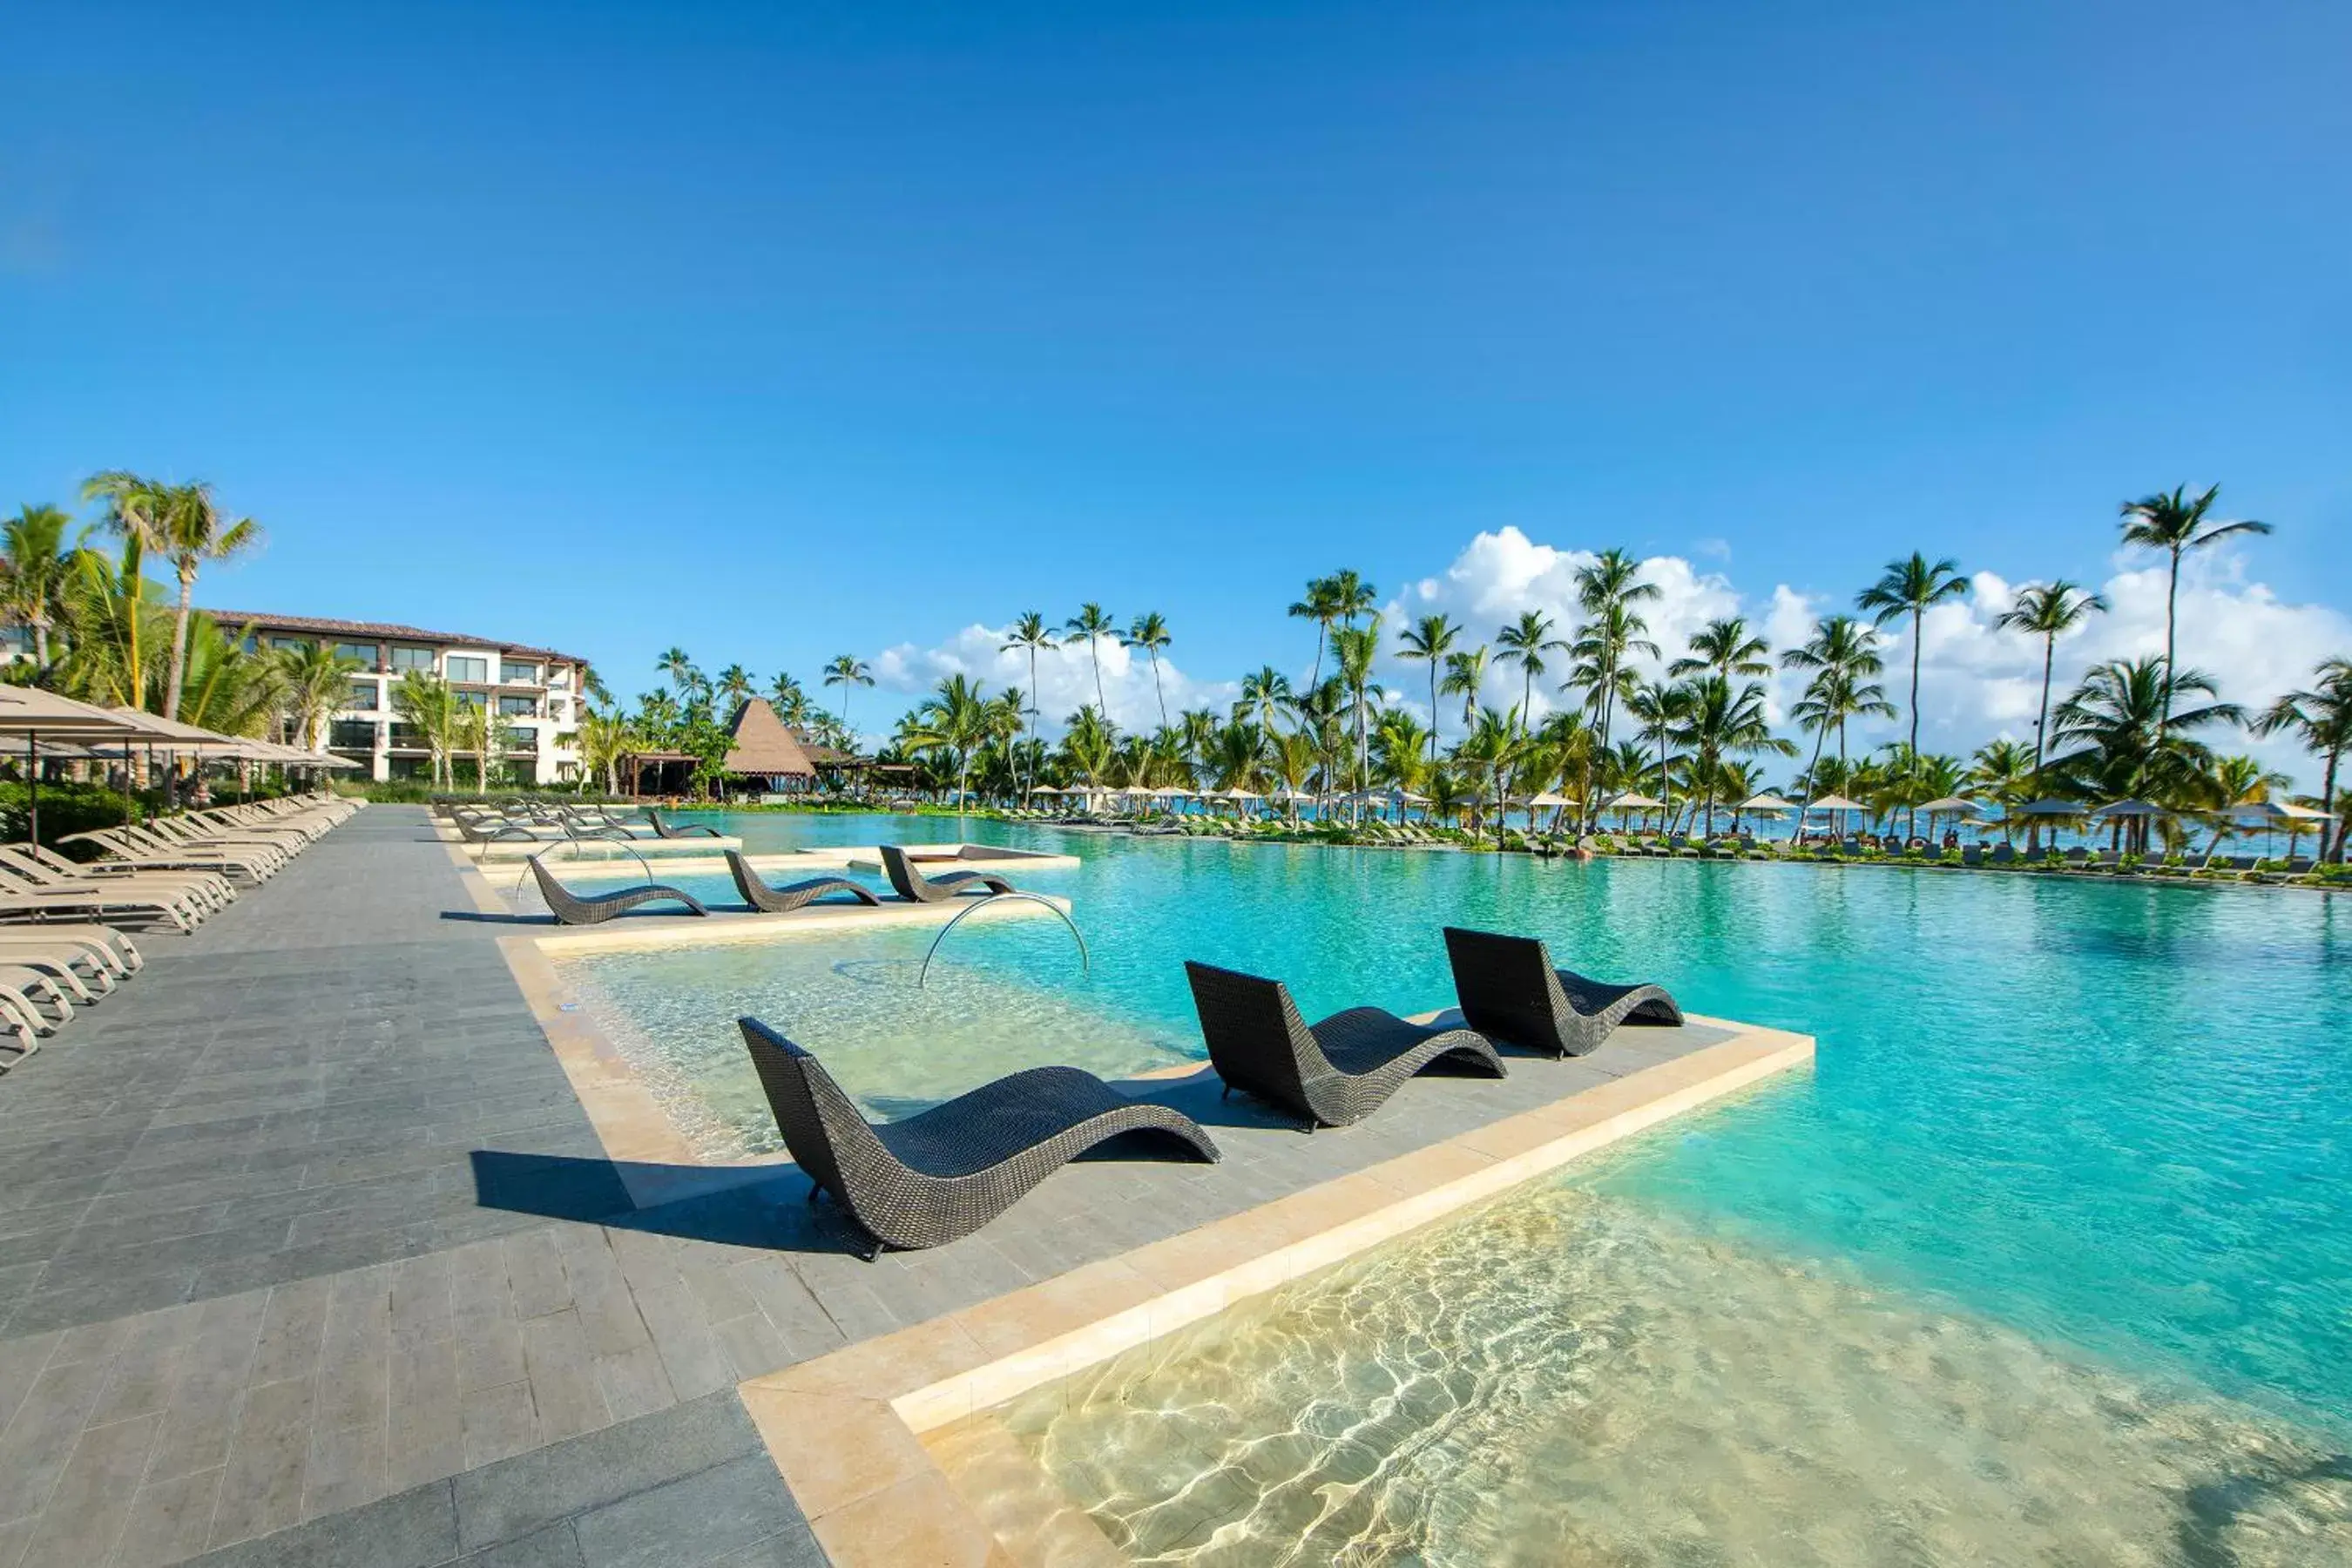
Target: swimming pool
2110	1121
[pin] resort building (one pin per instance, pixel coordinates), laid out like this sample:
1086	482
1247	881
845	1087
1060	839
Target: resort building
538	691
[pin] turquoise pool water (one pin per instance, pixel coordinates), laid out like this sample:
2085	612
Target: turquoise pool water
2115	1119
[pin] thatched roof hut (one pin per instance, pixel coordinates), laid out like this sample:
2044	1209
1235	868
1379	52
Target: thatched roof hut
764	748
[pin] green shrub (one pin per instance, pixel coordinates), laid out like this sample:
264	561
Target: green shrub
66	809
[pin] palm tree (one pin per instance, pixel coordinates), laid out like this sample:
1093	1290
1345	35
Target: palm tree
786	696
314	680
1712	721
1912	587
848	672
957	719
2130	747
2176	524
2049	613
1429	640
680	667
2320	717
736	684
1267	694
605	739
1150	634
1725	647
33	578
2002	772
2232	784
1352	596
182	523
1354	649
1320	605
424	703
1608	590
1030	633
1090	625
1660	709
1523	643
1842	655
1466	677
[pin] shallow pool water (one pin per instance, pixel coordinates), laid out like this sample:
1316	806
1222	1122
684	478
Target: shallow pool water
2112	1119
1572	1376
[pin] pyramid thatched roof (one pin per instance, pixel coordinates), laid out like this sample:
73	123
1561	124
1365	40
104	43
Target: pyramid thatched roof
763	747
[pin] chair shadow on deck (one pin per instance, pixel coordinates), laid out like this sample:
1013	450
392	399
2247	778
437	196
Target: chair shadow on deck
765	1206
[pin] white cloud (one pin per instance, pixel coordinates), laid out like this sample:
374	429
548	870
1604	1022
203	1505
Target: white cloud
1066	676
1976	682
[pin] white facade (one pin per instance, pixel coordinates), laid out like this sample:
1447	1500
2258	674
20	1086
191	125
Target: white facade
538	692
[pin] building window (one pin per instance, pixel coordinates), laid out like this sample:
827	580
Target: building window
470	698
363	697
512	673
407	658
362	654
518	707
407	736
351	735
477	670
297	645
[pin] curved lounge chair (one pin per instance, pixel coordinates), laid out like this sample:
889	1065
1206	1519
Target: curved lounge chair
948	1170
916	887
664	831
1509	990
1337	1072
573	910
793	895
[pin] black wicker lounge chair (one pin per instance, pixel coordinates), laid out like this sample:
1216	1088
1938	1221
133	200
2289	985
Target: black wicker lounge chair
916	887
1332	1074
1509	990
575	911
664	831
946	1171
793	895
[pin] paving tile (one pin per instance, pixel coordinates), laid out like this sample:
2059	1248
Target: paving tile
563	1379
348	1467
608	1314
498	1422
40	1436
92	1498
722	1509
504	1501
169	1520
554	1547
414	1528
292	1329
535	1274
270	1452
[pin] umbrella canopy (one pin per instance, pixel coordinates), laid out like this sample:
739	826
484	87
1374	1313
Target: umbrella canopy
1766	801
1046	789
2131	808
38	715
1170	792
2282	810
171	734
1542	799
1949	803
1629	801
1838	803
1237	792
2049	809
1291	792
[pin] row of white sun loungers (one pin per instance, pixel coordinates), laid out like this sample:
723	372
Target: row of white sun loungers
61	945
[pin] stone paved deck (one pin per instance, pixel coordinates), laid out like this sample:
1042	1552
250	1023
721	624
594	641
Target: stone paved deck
308	1255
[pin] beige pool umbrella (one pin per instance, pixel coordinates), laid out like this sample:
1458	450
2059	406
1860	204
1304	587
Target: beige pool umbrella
1834	804
35	715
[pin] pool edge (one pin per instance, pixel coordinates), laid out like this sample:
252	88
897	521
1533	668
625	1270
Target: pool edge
846	1430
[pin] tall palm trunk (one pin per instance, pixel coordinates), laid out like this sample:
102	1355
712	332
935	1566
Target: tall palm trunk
1433	720
41	643
2171	597
1911	812
180	640
2042	724
1029	796
2327	802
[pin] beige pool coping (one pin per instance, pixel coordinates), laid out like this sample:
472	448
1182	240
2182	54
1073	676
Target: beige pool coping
846	1430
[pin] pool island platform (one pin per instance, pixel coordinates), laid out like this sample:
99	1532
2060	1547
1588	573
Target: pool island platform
322	1246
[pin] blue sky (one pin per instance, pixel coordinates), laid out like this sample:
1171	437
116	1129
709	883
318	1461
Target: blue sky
783	330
